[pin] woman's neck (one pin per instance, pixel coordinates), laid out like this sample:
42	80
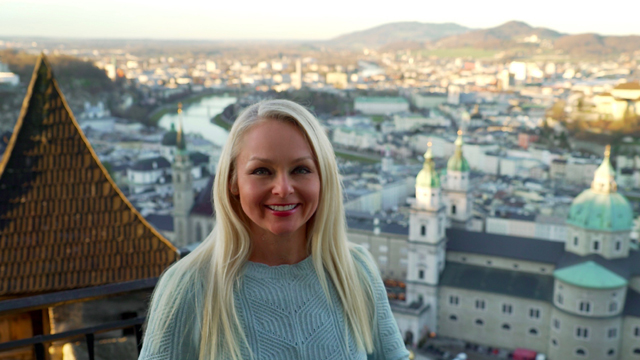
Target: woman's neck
274	250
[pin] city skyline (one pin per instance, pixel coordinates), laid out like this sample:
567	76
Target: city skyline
144	19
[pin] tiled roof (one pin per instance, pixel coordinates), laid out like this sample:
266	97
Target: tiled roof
64	224
498	281
204	201
512	247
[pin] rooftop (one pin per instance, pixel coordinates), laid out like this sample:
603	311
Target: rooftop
590	275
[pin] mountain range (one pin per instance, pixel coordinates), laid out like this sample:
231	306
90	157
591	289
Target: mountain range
416	35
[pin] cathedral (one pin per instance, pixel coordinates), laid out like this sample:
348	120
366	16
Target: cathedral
574	300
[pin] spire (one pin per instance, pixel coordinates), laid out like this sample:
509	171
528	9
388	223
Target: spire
180	143
604	181
457	162
428	156
428	177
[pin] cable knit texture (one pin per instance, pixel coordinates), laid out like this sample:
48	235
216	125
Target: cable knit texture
285	315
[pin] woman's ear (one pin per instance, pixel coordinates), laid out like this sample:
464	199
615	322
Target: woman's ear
234	189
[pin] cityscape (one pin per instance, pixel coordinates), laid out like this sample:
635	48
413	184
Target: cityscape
493	174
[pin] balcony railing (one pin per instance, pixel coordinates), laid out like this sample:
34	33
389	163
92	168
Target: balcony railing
39	342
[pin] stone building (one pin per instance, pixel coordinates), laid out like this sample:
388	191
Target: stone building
577	299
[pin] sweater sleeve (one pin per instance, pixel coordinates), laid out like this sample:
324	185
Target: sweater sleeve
388	344
170	330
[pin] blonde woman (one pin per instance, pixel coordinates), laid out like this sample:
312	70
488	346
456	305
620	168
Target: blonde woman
277	278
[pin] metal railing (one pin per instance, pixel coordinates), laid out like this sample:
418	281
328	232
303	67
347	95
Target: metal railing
43	301
38	342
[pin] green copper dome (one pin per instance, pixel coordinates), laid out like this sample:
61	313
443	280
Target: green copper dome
601	207
428	176
597	211
457	162
590	275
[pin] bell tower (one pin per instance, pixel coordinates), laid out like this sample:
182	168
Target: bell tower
182	189
426	242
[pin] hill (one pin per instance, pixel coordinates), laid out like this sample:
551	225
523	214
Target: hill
594	44
498	37
401	32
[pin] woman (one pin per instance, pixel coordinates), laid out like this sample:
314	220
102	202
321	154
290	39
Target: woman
276	279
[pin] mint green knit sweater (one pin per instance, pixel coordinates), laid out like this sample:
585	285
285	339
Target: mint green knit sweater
284	314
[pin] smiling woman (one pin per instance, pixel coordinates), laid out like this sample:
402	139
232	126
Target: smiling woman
277	278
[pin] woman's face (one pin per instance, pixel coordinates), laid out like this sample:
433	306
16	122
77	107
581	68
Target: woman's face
277	179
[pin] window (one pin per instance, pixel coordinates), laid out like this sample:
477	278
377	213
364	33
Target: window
382	260
515	266
581	352
454	300
489	262
636	331
611	352
554	342
636	351
613	306
618	245
421	274
423	230
507	308
453	318
506	326
480	304
582	332
534	313
612	333
596	245
479	322
533	331
585	307
560	299
453	209
575	240
383	248
556	324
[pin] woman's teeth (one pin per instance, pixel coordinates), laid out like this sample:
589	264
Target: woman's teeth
281	208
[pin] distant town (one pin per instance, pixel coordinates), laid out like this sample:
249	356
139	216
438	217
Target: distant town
509	136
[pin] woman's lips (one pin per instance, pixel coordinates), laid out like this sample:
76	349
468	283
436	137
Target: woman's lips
283	209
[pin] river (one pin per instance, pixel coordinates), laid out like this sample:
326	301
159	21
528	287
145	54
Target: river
196	118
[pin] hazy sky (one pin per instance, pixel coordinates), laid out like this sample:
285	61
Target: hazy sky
288	19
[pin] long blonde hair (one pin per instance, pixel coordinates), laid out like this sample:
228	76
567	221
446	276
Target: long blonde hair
216	263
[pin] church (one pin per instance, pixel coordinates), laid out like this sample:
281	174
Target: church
578	299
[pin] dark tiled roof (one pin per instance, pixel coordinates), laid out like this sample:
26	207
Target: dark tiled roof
504	246
161	222
148	164
498	281
204	201
198	158
170	138
632	303
64	224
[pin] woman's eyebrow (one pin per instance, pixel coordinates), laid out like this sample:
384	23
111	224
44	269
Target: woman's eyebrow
257	158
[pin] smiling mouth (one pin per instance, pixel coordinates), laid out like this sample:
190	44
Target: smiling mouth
282	207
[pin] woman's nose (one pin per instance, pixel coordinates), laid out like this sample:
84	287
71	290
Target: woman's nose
282	186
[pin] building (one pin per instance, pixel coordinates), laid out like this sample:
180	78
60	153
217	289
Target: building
381	105
75	253
572	299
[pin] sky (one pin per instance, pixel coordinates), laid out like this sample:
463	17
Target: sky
295	20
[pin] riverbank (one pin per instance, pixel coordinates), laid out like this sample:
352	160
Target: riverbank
172	107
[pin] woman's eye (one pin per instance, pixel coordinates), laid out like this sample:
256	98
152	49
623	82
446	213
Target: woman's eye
302	170
260	171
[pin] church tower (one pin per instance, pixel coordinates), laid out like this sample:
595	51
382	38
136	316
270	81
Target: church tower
600	218
589	293
456	188
182	189
426	244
